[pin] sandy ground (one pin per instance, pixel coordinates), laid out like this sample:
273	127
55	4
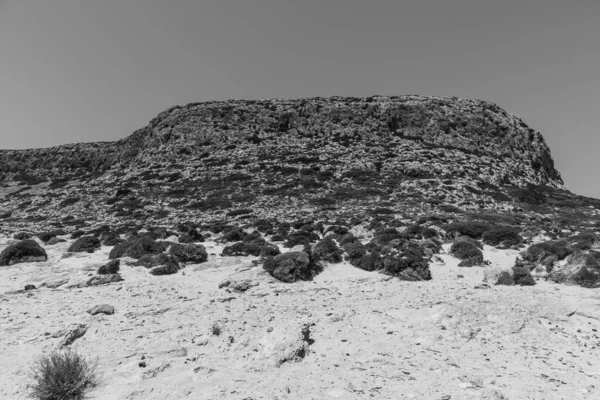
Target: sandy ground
371	337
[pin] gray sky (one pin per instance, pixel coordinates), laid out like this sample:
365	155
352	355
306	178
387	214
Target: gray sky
86	70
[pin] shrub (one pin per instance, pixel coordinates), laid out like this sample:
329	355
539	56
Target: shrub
194	253
583	241
85	244
144	245
502	235
167	269
409	264
523	276
119	250
371	262
242	249
112	240
291	267
538	252
269	250
466	250
215	329
474	229
327	250
429	233
233	235
339	230
295	241
23	251
63	375
355	251
22	236
45	236
112	267
77	234
278	238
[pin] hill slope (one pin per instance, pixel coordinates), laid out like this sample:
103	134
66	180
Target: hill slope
333	157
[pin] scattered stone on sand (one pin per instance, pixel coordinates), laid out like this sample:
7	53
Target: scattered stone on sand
102	309
288	342
73	334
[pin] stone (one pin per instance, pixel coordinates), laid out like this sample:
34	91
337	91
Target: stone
30	287
499	275
73	334
102	309
54	240
288	342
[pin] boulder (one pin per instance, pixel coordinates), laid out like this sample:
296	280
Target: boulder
288	342
499	275
27	250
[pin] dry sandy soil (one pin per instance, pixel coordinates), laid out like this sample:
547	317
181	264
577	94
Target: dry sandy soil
349	334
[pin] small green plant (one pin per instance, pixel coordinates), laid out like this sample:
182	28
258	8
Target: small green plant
64	375
215	329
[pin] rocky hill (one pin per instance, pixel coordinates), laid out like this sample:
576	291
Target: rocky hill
328	156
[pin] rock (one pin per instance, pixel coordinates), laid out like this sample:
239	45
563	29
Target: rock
73	334
102	309
580	268
27	250
288	342
30	287
499	275
239	285
97	280
56	283
112	267
201	340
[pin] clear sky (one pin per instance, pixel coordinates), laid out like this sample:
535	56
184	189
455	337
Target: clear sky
96	70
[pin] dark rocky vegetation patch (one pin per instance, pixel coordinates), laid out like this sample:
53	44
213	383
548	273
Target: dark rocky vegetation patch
27	250
112	267
292	266
502	235
85	244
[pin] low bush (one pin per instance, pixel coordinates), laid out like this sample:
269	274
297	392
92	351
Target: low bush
539	251
466	250
233	235
45	236
159	264
355	251
523	276
63	375
327	250
409	265
194	253
85	244
22	236
371	261
474	229
23	251
508	236
242	249
292	266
